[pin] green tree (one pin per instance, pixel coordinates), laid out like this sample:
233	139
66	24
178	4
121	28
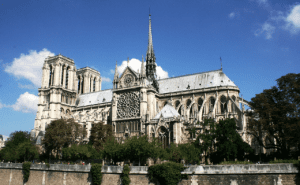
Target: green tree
75	152
174	153
137	149
61	134
100	133
206	138
228	141
19	147
274	121
113	150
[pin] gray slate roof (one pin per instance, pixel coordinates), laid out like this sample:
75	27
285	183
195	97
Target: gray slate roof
194	81
167	111
94	98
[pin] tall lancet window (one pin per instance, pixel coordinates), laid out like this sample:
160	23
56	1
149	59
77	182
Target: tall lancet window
79	85
94	84
50	76
62	75
67	77
82	85
223	104
212	104
233	104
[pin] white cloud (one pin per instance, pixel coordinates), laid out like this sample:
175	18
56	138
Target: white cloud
135	64
112	71
5	137
29	66
262	1
28	86
293	19
231	15
26	103
1	105
104	79
267	29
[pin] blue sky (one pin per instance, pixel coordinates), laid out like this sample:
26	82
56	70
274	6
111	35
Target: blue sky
258	41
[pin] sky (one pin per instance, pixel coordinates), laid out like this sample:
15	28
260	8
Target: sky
258	41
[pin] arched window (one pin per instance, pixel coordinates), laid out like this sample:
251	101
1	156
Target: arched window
78	84
223	104
62	111
82	85
94	85
200	102
67	77
177	103
62	75
233	104
67	100
50	76
188	103
180	110
211	104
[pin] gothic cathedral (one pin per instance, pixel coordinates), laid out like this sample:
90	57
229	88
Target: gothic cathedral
138	103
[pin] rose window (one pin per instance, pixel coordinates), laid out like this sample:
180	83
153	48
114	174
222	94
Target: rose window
128	105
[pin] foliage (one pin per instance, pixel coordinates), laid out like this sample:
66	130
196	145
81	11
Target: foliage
229	143
26	171
125	175
174	153
137	149
96	173
285	161
100	133
48	165
275	119
168	173
156	150
76	152
113	150
190	153
27	151
19	147
235	162
61	134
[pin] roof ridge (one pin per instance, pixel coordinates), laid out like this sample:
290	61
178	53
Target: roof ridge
190	74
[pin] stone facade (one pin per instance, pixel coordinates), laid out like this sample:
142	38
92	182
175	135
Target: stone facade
274	174
139	103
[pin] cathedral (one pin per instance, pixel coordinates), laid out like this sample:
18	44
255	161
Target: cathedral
138	103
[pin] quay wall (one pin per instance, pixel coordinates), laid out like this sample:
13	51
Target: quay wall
260	174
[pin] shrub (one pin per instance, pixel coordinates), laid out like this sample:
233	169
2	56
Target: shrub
125	175
26	171
235	162
48	165
285	161
168	173
96	173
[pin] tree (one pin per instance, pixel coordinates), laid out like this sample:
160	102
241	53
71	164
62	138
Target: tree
113	150
206	138
19	147
61	134
274	120
229	143
137	149
75	152
100	133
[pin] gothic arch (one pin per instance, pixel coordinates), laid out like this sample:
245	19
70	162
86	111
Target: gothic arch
162	134
212	101
223	104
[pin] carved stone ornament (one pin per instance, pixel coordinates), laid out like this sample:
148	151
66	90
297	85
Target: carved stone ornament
128	105
128	80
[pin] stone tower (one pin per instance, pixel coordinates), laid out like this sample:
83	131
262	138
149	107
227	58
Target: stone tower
57	94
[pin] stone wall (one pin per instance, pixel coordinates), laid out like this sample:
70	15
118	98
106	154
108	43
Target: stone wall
267	174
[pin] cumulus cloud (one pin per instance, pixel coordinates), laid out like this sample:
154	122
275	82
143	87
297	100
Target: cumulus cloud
29	66
26	103
135	64
231	15
28	86
105	79
293	19
267	29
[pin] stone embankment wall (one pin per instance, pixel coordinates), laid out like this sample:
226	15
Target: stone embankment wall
267	174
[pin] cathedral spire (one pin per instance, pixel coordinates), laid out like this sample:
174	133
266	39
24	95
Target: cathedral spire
116	72
150	59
